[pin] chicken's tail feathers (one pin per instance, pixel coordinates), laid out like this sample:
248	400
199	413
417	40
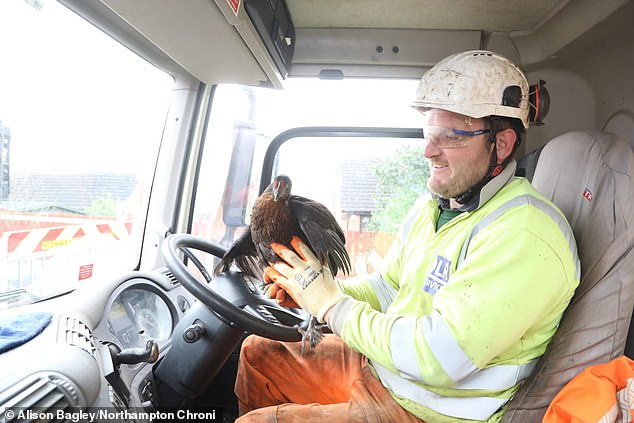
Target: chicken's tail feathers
336	255
338	260
246	264
223	266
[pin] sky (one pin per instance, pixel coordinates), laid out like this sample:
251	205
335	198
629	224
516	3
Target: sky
76	101
71	97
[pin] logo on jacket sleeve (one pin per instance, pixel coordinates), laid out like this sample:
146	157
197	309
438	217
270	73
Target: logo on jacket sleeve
438	276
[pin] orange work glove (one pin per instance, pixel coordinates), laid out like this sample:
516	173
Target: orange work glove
275	291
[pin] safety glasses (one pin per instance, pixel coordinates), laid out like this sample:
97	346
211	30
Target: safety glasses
450	138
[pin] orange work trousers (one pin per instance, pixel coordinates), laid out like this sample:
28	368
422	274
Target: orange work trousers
331	383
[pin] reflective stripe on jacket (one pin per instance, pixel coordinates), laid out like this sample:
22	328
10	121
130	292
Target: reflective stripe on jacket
459	317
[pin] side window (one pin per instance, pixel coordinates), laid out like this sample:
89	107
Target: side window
81	120
230	170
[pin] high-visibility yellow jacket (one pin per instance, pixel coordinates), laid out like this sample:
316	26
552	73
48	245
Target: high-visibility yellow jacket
459	316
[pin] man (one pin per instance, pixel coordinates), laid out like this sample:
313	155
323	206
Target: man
472	291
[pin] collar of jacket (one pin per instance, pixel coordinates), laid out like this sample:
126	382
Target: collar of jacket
482	194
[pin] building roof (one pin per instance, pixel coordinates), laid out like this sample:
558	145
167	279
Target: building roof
42	191
358	186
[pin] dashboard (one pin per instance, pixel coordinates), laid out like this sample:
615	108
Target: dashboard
140	343
92	354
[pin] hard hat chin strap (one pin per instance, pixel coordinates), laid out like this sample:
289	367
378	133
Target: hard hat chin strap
496	125
494	169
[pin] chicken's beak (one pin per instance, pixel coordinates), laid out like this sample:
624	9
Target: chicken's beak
276	192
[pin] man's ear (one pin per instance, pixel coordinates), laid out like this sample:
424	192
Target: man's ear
505	141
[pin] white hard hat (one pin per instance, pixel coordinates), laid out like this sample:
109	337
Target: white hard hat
475	83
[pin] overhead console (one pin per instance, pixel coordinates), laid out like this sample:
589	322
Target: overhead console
268	31
273	22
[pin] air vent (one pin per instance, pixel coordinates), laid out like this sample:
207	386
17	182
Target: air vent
168	273
74	332
43	393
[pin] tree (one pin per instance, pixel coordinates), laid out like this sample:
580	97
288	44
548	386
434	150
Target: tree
103	206
402	178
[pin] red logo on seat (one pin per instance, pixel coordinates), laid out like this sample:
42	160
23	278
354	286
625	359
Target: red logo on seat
587	195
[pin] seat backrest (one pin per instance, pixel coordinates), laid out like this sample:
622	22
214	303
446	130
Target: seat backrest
527	164
589	175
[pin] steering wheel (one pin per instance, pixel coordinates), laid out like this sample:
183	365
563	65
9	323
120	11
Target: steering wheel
231	295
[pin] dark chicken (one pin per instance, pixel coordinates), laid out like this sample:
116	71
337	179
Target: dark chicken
277	216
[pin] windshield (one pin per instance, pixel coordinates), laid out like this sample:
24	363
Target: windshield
368	182
81	119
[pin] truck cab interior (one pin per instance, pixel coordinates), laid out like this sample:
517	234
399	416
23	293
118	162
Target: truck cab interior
136	134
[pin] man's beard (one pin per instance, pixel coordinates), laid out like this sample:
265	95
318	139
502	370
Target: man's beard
461	180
